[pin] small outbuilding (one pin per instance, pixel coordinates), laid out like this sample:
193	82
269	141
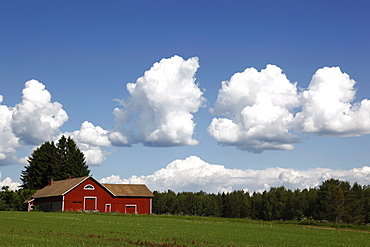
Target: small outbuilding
87	194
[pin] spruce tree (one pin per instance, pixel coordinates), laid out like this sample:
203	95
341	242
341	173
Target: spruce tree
42	167
57	162
71	159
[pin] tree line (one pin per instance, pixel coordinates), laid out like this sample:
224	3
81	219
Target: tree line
334	201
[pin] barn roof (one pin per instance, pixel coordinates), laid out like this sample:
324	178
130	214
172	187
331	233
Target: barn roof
139	190
59	188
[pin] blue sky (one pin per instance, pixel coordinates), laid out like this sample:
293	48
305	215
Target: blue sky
86	52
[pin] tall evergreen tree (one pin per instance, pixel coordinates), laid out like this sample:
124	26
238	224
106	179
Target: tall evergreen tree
355	203
332	196
71	159
57	162
42	167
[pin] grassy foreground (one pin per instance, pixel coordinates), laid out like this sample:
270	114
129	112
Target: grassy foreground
84	229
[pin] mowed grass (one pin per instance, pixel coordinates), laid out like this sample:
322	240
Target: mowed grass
92	229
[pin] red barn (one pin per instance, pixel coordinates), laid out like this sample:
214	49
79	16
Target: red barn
86	193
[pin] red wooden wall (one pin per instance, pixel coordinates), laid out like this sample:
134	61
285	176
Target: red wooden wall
100	199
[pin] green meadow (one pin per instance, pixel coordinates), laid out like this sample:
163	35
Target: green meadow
94	229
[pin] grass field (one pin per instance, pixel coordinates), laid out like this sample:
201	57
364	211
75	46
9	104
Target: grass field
93	229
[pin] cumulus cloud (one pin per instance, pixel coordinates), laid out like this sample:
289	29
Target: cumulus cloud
194	174
158	112
9	182
328	107
257	109
94	154
90	134
8	141
36	118
90	139
160	107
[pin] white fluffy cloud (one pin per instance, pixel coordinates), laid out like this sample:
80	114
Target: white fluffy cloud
328	107
159	112
9	182
258	109
90	134
160	106
8	141
90	139
36	118
194	174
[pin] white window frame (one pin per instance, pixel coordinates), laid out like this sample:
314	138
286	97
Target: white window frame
91	197
106	207
85	188
131	205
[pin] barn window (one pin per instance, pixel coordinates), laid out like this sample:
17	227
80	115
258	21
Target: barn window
108	208
130	209
89	187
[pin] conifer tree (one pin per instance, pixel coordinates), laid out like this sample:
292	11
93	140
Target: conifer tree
71	159
57	162
42	167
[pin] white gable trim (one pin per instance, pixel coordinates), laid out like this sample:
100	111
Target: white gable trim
77	185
